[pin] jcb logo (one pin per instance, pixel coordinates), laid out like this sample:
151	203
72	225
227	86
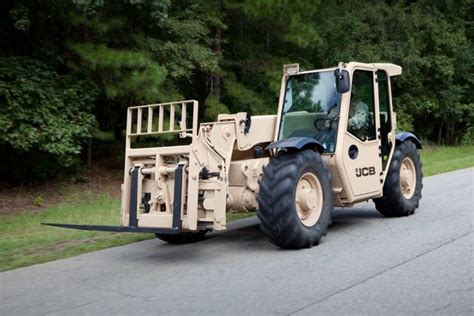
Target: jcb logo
366	171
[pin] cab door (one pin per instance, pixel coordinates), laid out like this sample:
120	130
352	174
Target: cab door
361	141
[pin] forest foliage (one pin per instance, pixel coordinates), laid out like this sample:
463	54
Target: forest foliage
69	69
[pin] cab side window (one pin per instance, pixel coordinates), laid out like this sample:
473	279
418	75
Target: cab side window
361	121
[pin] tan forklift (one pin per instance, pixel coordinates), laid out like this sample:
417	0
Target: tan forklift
331	143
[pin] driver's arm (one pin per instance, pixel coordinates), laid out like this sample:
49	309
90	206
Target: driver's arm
333	112
359	119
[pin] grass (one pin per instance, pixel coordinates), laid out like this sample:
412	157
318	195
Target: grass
24	241
443	159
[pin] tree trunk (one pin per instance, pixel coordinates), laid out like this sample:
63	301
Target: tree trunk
215	89
89	153
447	134
267	40
440	134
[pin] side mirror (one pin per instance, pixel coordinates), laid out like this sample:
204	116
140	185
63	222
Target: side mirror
343	83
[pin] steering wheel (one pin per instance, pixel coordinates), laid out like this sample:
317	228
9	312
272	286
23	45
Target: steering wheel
326	124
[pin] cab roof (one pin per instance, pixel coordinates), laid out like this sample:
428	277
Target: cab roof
391	69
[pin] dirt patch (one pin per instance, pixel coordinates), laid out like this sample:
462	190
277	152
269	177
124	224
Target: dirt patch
61	245
98	180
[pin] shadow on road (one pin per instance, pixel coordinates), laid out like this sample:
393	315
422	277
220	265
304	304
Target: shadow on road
343	219
243	236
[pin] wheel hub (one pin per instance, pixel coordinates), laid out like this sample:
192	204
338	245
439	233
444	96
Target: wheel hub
309	199
407	177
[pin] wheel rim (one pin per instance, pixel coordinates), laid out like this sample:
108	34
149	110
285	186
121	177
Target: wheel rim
309	199
407	178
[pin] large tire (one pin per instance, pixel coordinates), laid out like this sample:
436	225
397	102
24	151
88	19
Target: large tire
401	197
183	238
281	218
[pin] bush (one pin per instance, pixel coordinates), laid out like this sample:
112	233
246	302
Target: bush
42	112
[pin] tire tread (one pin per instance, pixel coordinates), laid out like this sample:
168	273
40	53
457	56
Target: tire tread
277	212
393	203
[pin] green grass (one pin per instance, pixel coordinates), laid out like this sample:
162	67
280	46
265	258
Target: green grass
24	241
443	159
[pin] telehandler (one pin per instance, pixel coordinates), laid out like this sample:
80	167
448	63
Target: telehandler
331	143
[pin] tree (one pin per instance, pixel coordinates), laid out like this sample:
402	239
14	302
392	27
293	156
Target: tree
41	111
227	54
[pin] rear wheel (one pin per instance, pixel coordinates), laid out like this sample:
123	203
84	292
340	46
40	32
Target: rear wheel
183	238
402	188
295	199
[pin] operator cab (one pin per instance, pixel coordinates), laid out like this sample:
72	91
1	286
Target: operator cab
311	108
345	112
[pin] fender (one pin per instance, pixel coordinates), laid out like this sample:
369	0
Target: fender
297	143
403	136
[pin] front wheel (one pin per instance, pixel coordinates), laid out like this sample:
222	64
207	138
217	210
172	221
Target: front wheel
402	188
295	199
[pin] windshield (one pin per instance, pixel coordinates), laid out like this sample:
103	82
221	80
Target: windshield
311	108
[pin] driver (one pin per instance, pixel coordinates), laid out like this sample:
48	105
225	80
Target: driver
357	125
358	117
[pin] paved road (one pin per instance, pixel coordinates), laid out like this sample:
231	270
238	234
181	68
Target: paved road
366	265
